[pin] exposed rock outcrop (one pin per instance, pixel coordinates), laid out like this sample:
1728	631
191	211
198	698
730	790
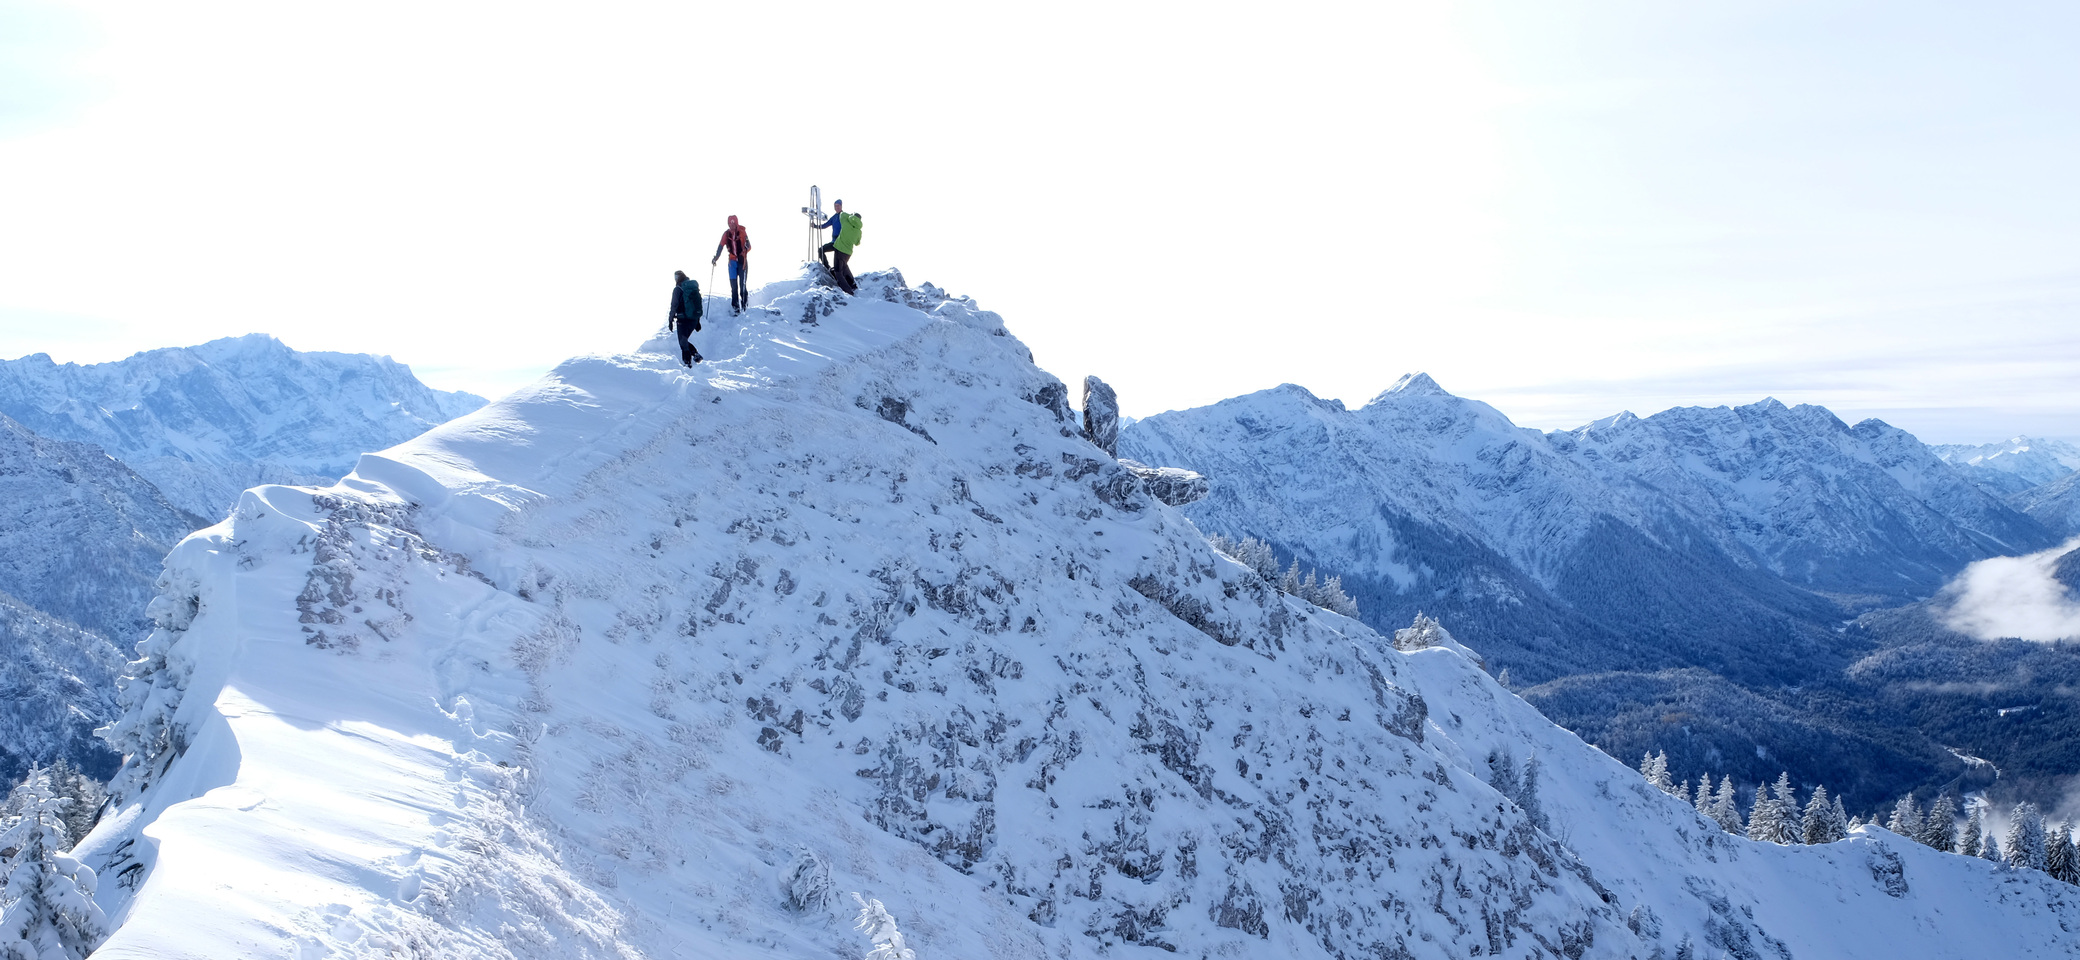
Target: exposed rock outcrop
1101	415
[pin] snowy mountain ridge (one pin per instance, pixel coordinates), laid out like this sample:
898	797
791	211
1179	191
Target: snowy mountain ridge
204	422
1695	563
642	661
2015	465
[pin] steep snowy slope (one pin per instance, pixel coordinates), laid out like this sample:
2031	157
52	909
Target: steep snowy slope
204	422
644	661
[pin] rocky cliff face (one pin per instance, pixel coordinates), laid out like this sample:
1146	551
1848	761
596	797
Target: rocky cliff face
643	661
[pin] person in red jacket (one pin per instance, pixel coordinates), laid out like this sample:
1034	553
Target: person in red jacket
738	243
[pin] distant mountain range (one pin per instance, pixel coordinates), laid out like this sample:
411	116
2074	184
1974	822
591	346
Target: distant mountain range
203	423
1684	581
2013	466
104	467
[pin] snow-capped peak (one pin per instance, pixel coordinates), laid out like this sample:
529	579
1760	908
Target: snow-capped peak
1415	385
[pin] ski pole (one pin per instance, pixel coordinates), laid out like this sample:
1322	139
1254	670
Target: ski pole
711	279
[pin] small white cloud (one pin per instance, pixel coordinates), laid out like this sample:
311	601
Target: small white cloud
2015	597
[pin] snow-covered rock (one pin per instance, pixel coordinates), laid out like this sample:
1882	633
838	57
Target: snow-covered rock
204	422
1175	486
1101	415
643	661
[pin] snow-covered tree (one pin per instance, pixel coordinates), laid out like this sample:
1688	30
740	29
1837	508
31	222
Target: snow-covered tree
2059	855
880	928
64	781
1766	821
1259	556
1968	841
1290	582
47	909
1683	790
1840	817
2024	844
1503	679
1655	770
1939	828
1822	822
1703	800
1533	810
1990	848
1335	600
1726	808
1906	818
1502	775
1786	797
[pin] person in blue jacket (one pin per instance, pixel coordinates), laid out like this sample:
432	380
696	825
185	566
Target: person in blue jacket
686	315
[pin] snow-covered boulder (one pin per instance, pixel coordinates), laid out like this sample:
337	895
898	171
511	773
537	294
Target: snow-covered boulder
1175	486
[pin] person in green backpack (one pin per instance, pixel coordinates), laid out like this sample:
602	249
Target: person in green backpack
844	228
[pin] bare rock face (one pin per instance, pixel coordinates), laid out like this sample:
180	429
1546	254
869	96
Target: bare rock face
1175	486
1101	415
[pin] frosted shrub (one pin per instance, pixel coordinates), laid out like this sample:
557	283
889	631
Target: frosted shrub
875	922
807	882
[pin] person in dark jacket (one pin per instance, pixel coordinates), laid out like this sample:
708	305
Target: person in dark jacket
686	315
738	243
840	248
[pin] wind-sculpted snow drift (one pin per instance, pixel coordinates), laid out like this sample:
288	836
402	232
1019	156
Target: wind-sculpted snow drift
643	661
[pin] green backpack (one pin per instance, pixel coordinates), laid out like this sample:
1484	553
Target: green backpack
848	233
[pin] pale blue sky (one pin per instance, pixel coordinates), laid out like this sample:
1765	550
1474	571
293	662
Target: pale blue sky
1563	208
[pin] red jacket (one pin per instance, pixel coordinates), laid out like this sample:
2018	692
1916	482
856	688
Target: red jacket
736	241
